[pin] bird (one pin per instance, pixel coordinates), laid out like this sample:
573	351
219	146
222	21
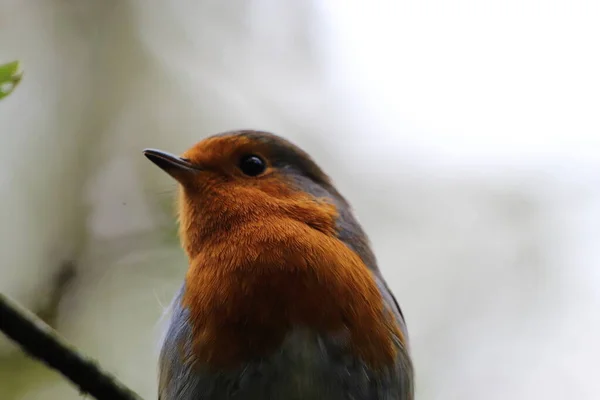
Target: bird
283	298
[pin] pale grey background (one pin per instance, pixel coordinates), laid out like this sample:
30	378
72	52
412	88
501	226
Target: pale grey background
466	135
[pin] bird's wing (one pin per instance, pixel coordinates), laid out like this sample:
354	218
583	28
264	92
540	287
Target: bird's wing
404	366
172	366
392	303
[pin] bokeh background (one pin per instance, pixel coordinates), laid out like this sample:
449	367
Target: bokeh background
466	134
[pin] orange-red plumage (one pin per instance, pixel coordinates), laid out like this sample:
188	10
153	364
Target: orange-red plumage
225	283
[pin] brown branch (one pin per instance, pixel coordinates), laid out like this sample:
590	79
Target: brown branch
42	342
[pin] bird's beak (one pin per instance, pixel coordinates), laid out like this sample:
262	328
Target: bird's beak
173	165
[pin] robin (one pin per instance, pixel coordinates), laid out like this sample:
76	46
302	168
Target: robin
283	299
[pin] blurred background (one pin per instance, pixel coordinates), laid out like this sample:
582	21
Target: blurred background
466	135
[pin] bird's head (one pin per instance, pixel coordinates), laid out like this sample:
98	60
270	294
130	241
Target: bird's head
246	177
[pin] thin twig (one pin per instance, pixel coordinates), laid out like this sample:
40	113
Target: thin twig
42	342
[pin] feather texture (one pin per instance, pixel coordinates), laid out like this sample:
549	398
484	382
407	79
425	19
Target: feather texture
283	298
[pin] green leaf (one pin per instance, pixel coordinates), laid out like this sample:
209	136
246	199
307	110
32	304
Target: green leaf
10	76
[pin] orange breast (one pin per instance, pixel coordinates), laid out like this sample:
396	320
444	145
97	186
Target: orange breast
246	290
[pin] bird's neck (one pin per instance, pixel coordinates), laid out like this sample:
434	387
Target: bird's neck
219	217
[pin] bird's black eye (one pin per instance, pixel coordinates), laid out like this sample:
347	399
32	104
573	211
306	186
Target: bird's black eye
252	165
